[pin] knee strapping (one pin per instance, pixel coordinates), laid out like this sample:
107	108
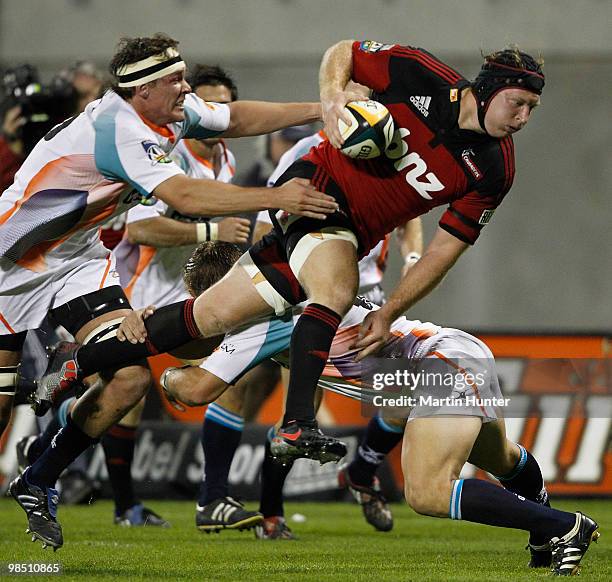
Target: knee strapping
8	380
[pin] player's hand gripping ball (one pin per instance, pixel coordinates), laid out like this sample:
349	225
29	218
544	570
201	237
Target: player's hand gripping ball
370	132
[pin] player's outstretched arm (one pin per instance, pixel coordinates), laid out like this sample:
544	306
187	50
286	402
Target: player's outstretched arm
334	76
257	117
162	231
213	198
420	280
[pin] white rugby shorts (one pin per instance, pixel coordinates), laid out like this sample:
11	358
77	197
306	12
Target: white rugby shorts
26	296
452	351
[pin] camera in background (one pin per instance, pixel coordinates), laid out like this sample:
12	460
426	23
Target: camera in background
42	105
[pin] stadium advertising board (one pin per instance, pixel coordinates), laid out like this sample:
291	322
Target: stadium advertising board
562	385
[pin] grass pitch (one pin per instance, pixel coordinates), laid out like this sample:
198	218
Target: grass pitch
335	545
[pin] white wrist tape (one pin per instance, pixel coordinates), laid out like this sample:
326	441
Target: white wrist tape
214	231
207	231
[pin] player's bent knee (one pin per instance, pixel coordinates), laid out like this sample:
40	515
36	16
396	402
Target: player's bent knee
343	300
337	299
133	382
424	503
429	497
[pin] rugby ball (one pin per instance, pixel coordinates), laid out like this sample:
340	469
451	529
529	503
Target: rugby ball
370	132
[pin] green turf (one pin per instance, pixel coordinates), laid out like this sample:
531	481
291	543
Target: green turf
335	544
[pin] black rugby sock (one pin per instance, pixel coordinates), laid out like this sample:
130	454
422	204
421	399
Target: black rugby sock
526	479
44	439
69	442
118	444
379	440
310	344
484	502
273	477
168	328
221	435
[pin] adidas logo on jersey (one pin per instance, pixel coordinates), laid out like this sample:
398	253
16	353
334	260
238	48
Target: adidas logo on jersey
421	103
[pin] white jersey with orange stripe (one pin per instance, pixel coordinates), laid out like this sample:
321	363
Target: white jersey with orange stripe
244	348
154	276
88	169
372	266
451	354
198	167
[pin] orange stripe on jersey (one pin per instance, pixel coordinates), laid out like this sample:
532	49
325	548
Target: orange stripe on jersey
6	323
34	258
164	130
422	332
146	256
200	159
73	172
34	185
381	261
108	264
95	213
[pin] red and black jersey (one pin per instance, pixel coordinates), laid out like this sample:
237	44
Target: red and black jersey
431	161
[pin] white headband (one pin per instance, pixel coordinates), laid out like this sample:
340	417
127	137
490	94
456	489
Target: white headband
149	69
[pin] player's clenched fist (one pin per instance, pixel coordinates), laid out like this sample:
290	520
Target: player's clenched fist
234	230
